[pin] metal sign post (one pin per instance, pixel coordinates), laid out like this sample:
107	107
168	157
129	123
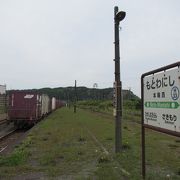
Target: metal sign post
160	93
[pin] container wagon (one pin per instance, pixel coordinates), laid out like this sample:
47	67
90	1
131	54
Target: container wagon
56	103
53	103
27	107
59	103
45	101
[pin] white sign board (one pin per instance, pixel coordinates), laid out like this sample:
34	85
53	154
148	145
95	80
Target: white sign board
162	100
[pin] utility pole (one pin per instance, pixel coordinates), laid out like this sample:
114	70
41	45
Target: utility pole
67	97
118	16
75	98
68	101
95	85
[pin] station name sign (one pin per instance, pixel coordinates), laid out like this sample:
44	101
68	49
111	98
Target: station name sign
161	99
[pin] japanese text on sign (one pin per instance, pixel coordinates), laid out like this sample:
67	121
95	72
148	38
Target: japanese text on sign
160	83
162	99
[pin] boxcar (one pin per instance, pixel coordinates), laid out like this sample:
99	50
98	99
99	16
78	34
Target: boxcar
53	103
27	107
58	103
45	101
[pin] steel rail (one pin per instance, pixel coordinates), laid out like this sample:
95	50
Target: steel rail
8	134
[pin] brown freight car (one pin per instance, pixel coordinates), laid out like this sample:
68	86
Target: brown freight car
24	107
28	107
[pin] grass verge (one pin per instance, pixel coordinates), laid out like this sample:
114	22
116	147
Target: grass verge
81	146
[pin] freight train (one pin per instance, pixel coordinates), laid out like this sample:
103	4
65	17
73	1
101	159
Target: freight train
26	108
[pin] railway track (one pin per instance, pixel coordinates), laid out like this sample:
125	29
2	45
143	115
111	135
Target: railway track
3	121
8	134
10	138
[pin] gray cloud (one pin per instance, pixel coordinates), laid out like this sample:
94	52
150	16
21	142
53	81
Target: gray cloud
52	43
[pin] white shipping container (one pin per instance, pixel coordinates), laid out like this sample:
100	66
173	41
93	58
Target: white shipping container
45	104
53	103
2	89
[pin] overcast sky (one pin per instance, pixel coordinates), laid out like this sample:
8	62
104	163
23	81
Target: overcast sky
50	43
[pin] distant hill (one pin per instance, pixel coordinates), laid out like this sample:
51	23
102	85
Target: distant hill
84	93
